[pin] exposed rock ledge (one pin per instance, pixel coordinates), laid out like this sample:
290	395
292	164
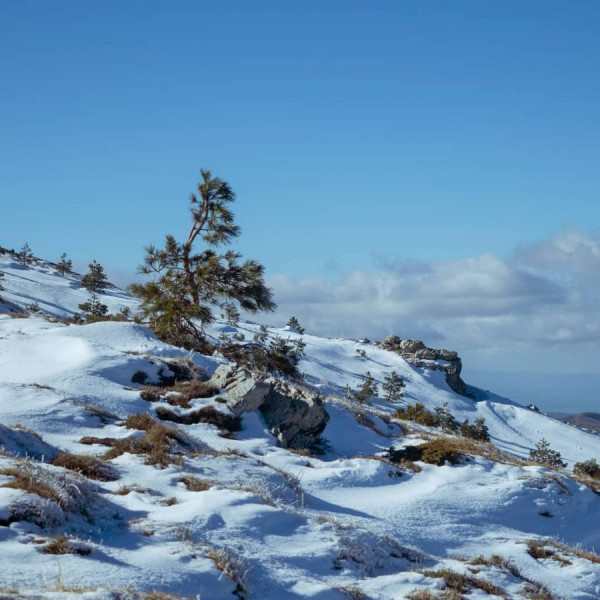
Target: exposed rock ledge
417	353
295	415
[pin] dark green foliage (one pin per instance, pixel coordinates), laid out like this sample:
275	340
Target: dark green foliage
587	468
261	336
392	386
477	431
177	304
294	324
361	353
447	422
232	315
33	308
93	309
544	455
25	256
95	280
367	390
435	452
419	414
65	266
139	377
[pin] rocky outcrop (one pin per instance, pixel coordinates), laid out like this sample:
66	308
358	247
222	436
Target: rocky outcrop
417	353
295	415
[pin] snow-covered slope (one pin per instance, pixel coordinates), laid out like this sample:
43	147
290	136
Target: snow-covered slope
265	523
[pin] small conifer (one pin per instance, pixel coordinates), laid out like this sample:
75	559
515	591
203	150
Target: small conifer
93	309
95	280
232	315
447	422
25	256
368	389
294	324
260	337
544	455
64	266
392	386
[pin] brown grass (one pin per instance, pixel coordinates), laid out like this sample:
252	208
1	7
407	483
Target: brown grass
88	466
208	414
156	444
232	567
462	583
140	421
62	545
194	484
185	392
89	440
27	481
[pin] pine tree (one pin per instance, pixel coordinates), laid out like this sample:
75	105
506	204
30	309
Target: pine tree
283	356
477	431
392	386
187	283
95	280
447	422
25	256
368	389
232	315
93	309
294	324
65	266
260	337
544	455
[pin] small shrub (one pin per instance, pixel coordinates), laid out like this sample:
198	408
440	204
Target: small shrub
438	452
180	394
139	377
88	466
477	431
587	468
418	414
542	454
368	389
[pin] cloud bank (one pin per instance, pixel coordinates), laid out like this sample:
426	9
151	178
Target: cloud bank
544	296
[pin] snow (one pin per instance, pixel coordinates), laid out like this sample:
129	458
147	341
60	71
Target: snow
287	526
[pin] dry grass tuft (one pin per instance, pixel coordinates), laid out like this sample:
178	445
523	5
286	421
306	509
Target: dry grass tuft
181	393
158	444
208	414
62	545
232	567
194	484
28	481
461	583
140	421
88	466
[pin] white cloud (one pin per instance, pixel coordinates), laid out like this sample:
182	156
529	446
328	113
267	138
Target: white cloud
545	297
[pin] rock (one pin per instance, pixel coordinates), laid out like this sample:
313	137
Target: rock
295	415
245	392
391	341
426	354
412	346
447	354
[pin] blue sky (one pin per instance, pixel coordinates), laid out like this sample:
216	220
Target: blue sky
359	136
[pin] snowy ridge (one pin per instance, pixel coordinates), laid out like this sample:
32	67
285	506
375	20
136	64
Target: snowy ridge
267	523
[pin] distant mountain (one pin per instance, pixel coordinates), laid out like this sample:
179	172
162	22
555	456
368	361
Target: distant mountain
586	420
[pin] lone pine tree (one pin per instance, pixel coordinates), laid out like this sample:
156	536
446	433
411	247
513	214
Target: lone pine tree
543	454
392	386
368	388
188	284
65	265
294	324
95	280
25	256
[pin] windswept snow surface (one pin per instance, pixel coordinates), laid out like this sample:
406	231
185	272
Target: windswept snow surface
272	524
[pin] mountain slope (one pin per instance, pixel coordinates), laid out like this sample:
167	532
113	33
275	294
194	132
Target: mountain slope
241	515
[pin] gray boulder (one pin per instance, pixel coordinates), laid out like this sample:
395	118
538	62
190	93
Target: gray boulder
295	415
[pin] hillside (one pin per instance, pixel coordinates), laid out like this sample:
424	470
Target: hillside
584	420
198	509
